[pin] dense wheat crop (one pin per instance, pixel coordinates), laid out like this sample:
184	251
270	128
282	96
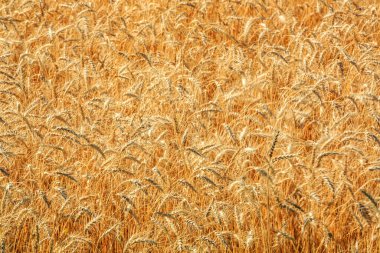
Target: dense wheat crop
194	126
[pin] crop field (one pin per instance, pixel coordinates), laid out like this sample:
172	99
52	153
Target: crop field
190	126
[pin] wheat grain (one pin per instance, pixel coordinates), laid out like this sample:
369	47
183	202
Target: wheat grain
194	126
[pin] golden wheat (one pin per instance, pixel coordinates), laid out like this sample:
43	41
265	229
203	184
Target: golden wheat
190	126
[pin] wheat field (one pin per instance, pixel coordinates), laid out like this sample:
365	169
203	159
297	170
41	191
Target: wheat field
190	126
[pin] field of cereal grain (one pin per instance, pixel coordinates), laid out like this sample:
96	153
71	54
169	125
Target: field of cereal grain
189	126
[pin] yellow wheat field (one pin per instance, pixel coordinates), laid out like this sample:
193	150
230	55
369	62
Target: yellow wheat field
190	126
